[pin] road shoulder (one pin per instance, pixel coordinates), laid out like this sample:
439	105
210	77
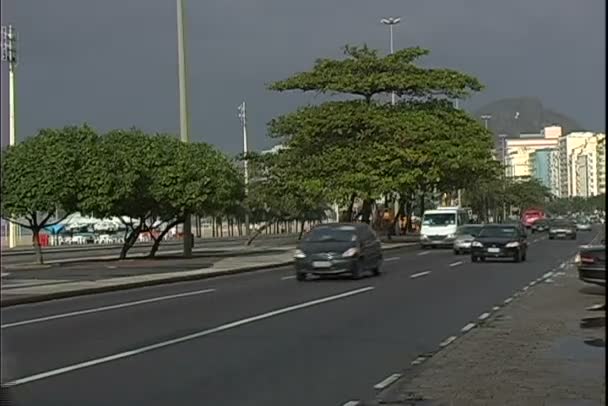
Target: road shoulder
531	352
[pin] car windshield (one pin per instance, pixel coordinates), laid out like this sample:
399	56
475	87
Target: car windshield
439	219
468	230
336	234
499	232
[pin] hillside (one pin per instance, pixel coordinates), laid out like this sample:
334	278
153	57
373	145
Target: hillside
532	117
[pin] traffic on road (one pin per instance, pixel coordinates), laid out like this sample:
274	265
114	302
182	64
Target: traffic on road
262	332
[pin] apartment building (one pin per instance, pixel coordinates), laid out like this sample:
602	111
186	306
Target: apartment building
519	150
582	169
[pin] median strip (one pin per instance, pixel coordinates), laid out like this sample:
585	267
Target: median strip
179	340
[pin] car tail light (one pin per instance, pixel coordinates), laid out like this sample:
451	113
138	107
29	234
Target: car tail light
587	260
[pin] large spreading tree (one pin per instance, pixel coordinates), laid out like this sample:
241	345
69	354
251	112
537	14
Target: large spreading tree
362	147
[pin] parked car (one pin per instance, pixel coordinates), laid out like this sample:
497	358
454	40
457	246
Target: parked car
500	241
540	226
465	235
591	263
562	229
338	248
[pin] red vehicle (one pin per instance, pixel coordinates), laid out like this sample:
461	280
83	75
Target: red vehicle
529	216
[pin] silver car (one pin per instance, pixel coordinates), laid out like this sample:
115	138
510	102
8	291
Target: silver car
583	225
464	237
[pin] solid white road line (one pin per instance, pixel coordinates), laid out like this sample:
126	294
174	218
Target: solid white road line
106	308
468	327
419	274
424	252
189	337
456	263
448	341
284	278
392	259
387	382
352	403
484	316
548	275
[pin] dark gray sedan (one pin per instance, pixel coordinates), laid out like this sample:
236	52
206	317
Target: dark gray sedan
338	248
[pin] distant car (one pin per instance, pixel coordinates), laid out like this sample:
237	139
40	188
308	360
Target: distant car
540	226
500	241
562	229
583	225
591	263
339	248
465	235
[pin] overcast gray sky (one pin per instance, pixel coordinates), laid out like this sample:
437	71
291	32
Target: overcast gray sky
112	63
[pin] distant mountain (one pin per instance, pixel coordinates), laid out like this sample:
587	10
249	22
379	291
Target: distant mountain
531	117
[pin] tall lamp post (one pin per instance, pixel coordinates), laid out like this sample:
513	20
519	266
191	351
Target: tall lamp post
243	118
391	21
9	55
183	109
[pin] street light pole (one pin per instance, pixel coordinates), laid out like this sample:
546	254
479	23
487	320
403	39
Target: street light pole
183	109
9	55
243	117
391	21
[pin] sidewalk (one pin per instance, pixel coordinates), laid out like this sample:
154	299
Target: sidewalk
106	278
544	348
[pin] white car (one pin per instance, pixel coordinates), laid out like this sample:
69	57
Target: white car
583	226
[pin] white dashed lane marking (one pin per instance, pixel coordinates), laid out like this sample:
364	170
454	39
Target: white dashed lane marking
424	252
392	259
468	327
453	264
484	316
387	382
448	341
419	274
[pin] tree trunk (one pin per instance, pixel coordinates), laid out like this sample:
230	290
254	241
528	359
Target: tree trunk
158	240
348	216
257	232
37	247
130	241
422	197
302	224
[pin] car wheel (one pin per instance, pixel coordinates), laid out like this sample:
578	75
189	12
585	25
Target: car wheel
474	258
523	258
377	271
517	256
456	252
551	237
358	269
301	276
574	237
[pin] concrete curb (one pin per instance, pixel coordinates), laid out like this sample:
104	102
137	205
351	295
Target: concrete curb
166	281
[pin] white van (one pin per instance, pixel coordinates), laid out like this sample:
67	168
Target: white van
439	226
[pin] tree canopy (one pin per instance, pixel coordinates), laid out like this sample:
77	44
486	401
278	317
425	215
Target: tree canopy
369	148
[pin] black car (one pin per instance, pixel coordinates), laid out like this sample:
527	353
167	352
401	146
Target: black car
500	241
591	263
540	225
562	229
338	248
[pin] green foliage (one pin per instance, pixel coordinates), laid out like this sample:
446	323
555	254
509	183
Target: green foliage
577	205
367	148
363	72
41	175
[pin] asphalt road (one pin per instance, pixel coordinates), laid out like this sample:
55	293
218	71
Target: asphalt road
214	246
257	339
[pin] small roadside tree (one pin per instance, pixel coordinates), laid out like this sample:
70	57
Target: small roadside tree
42	175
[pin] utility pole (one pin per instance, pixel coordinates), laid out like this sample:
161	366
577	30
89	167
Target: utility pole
9	55
391	21
183	110
243	116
